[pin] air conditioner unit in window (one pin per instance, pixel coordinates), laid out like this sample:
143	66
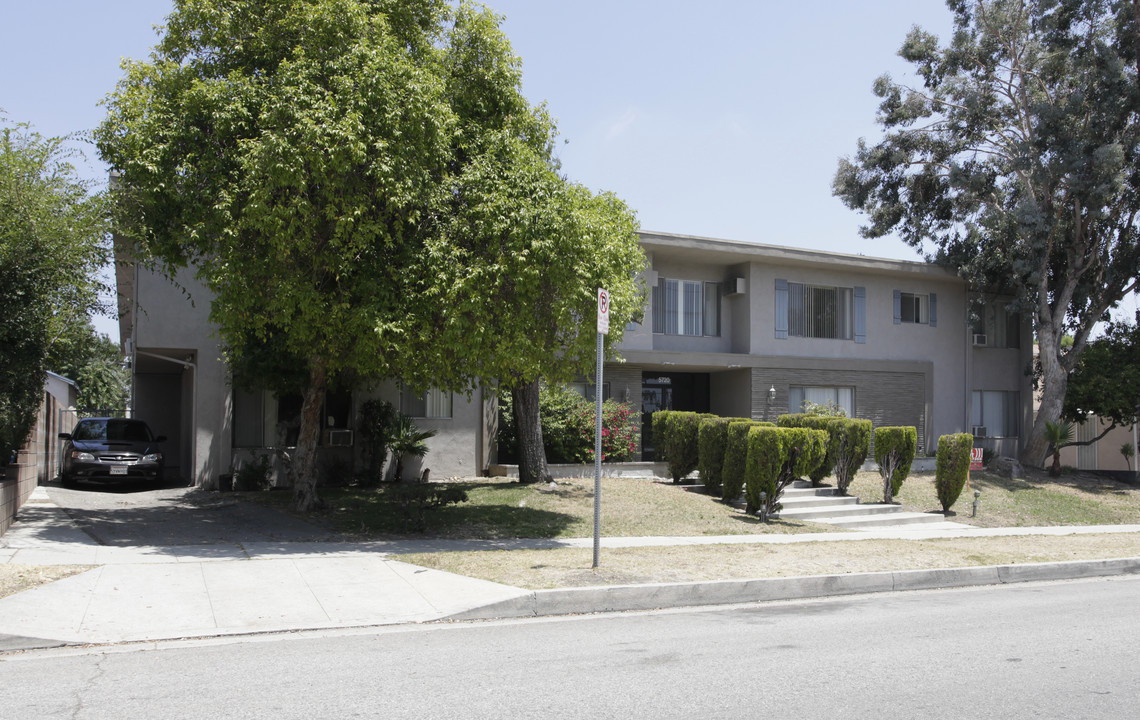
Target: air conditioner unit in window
338	438
979	340
979	431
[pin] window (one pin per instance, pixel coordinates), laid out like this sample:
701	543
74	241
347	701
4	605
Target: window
915	308
996	412
996	325
843	397
262	420
587	389
434	403
686	307
818	311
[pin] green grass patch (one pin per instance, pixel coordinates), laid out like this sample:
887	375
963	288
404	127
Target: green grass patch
501	508
1034	499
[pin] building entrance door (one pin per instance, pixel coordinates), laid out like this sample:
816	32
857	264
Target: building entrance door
669	391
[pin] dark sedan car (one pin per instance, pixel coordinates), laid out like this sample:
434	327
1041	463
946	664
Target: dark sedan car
111	449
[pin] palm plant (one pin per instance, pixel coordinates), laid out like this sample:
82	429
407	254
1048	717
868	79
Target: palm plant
1058	435
406	440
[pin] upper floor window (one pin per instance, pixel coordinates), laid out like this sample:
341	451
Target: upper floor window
996	325
915	308
433	403
819	311
686	307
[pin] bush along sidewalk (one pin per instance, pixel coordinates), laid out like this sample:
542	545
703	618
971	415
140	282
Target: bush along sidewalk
816	422
676	440
894	452
711	443
734	467
953	465
776	457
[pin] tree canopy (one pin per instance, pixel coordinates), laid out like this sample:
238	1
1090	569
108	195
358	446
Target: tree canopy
311	160
53	243
1106	382
1017	161
95	363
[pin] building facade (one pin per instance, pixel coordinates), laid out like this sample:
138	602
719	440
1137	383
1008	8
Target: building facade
737	329
747	330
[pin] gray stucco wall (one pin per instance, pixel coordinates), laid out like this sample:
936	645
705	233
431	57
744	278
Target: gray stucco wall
174	322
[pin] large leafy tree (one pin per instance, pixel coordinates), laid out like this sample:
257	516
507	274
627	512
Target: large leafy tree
292	152
53	242
1017	161
1106	382
309	158
513	279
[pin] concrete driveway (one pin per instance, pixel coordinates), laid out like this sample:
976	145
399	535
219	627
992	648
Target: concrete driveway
133	515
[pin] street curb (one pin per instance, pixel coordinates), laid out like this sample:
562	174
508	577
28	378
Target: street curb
619	598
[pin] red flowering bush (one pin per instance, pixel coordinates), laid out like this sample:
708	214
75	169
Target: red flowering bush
621	431
568	428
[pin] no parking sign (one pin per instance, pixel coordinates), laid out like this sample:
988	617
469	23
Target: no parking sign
603	312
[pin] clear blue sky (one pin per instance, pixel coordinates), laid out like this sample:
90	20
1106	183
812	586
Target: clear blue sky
723	118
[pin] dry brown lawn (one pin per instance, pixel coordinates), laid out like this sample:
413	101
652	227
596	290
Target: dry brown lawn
537	569
18	578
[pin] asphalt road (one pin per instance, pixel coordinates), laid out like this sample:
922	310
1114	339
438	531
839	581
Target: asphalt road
1057	650
132	514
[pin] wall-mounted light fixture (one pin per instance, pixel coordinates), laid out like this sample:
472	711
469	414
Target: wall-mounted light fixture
772	394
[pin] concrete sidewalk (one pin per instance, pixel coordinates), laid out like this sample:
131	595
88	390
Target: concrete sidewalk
146	593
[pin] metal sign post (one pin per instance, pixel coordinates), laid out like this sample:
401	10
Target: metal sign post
603	329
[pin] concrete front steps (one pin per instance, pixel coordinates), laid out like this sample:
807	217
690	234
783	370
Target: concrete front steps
801	501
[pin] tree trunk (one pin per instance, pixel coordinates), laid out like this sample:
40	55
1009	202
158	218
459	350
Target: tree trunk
304	464
1054	384
532	455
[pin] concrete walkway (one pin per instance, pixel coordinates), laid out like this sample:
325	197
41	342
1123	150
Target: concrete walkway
141	593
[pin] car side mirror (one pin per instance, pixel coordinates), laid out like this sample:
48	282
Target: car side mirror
160	438
65	436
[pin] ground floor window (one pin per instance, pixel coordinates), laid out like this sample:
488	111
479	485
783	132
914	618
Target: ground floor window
432	403
994	413
588	390
800	395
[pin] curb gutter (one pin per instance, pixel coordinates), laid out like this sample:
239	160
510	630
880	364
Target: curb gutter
620	598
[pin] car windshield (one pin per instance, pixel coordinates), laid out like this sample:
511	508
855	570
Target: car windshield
112	430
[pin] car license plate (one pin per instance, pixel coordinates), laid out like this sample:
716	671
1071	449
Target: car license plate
118	469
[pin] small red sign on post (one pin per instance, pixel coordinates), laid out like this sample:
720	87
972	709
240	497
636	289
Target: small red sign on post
976	459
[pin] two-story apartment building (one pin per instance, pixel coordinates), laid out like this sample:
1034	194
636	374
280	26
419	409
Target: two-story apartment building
740	329
733	328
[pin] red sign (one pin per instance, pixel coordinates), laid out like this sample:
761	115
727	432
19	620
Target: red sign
976	459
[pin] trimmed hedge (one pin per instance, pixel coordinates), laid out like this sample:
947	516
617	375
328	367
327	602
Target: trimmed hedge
851	452
776	457
676	441
953	467
712	440
736	458
848	442
894	452
815	422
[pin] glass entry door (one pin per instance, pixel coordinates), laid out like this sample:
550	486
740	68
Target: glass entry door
669	391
